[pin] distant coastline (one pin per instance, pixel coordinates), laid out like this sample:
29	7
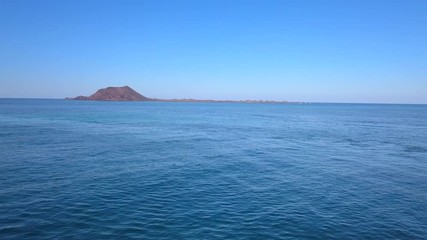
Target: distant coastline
126	93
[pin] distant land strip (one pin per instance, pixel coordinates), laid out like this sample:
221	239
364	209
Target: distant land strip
128	94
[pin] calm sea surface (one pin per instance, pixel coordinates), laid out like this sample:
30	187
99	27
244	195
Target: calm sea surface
114	170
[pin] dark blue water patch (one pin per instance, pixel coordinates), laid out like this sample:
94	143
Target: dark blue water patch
109	170
415	149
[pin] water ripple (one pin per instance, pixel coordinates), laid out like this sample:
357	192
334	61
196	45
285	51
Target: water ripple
212	171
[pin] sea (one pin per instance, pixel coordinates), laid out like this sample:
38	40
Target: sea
165	170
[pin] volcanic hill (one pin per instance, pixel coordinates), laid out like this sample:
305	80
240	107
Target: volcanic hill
114	94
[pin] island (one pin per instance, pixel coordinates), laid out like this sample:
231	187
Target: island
128	94
114	94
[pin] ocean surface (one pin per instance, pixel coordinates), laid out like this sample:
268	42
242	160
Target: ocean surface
147	170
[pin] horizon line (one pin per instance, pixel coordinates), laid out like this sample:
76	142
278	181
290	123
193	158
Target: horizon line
218	101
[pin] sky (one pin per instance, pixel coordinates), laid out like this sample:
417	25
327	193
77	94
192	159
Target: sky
312	51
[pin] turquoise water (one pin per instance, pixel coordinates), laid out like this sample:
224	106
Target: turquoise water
146	170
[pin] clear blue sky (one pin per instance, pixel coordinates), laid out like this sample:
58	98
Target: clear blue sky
323	51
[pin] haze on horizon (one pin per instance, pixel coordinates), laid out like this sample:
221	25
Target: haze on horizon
313	51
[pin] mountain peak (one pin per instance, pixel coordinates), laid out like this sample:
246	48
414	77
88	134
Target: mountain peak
124	93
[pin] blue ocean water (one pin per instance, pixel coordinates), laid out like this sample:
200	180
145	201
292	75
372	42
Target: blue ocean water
147	170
